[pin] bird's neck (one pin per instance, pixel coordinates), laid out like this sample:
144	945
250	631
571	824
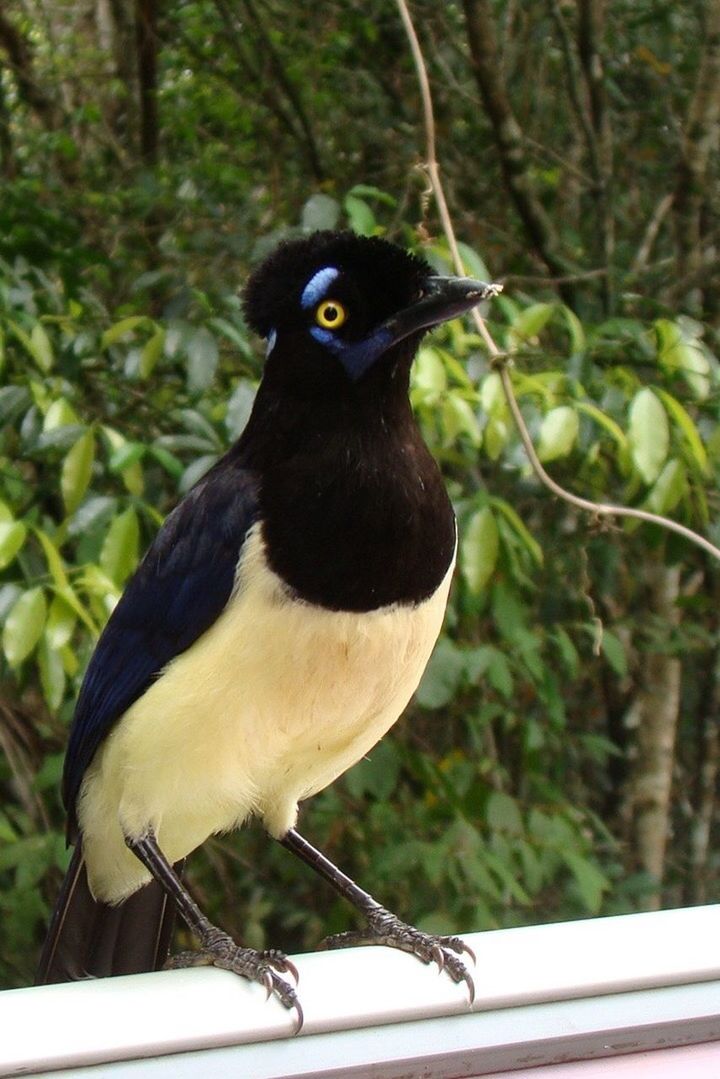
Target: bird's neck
355	512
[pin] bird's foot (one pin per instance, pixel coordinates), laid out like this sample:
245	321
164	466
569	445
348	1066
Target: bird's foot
220	950
385	928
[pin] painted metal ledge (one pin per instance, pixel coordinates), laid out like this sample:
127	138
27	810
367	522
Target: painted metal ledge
544	994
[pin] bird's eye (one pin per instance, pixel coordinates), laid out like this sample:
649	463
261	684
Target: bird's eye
330	314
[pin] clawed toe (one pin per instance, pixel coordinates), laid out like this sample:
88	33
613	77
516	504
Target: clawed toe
385	928
220	950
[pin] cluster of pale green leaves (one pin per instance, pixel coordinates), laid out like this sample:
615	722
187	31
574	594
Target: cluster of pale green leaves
106	421
628	427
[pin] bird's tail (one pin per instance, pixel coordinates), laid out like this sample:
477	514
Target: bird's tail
89	939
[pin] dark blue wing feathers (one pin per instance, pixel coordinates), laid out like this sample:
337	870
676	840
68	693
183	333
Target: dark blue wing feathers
177	592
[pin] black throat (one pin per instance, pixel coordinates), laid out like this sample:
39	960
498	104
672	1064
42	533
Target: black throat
354	509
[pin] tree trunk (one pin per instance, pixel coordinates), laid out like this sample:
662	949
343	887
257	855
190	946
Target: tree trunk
699	139
654	716
508	135
147	50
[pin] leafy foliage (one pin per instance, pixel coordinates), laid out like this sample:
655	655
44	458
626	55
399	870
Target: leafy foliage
126	369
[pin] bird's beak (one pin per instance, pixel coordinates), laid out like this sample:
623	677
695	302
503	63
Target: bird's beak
442	298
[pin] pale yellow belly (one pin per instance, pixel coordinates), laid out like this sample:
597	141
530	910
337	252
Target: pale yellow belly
275	701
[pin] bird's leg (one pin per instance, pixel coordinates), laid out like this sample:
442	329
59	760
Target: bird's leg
383	927
218	949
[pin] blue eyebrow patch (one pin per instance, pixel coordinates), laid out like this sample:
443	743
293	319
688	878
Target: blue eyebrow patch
317	286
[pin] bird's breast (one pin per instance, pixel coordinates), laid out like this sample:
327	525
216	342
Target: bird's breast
271	704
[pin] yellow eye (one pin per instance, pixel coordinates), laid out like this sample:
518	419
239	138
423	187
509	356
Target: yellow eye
330	314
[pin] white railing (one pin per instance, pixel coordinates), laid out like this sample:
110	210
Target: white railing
569	991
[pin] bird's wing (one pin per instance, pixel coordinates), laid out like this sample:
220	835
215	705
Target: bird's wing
177	592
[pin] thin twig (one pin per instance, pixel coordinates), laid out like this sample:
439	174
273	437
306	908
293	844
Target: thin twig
500	360
656	219
603	508
431	164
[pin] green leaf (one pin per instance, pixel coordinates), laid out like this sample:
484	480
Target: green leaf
591	883
239	407
443	675
614	652
121	329
125	458
60	414
577	333
119	555
52	673
530	322
680	349
669	487
495	436
688	429
12	537
602	418
24	626
77	471
41	347
320	212
360	215
36	343
558	433
203	355
492	395
370	192
377	774
458	418
128	453
518	526
53	558
499	674
479	549
649	434
473	264
61	621
151	352
428	373
503	814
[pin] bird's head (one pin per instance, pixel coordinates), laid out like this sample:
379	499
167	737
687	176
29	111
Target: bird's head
336	308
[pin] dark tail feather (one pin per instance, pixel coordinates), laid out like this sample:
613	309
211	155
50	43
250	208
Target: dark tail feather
88	939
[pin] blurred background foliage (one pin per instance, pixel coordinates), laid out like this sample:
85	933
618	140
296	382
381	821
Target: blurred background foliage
560	757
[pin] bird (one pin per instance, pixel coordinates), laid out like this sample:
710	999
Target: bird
276	628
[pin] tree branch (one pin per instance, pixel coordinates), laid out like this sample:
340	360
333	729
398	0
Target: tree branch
590	31
20	60
500	361
509	137
699	138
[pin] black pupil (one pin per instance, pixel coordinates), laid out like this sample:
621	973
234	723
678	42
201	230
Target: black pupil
331	313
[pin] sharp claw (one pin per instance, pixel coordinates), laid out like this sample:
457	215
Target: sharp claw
292	970
438	956
467	950
300	1017
471	988
267	981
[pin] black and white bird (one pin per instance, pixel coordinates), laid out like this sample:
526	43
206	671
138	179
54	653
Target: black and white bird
277	626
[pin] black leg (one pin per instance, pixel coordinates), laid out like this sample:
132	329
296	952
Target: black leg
382	926
217	948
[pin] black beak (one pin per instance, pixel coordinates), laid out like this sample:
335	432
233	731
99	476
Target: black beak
442	298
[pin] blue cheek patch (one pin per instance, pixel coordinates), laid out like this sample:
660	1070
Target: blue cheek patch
271	339
317	286
356	357
327	338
